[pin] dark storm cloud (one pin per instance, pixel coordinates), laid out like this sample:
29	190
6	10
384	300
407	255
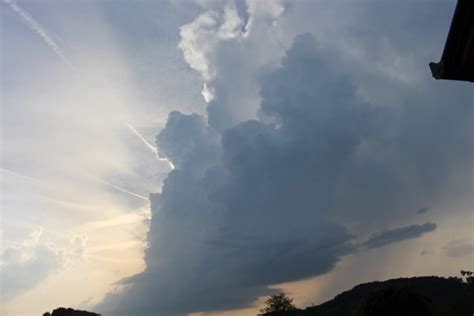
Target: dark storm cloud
188	142
265	203
386	237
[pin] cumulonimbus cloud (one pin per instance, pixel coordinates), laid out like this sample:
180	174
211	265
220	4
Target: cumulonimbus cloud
266	202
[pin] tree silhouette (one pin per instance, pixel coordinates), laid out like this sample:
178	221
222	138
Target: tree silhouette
469	278
279	304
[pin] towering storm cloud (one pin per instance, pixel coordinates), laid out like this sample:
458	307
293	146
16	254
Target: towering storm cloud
269	201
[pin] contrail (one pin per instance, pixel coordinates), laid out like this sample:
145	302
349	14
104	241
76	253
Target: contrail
47	197
31	179
38	29
124	191
19	175
149	146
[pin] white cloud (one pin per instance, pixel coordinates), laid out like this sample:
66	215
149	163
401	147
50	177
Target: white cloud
26	264
203	38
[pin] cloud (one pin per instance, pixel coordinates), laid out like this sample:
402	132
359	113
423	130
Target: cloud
188	142
266	201
390	236
199	37
27	264
72	122
458	248
19	275
422	210
232	32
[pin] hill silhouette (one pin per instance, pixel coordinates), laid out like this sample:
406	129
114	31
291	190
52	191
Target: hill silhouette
421	295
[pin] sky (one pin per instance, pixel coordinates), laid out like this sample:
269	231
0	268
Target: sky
193	157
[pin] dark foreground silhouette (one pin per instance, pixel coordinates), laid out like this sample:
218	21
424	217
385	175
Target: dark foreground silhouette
457	61
61	311
420	296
